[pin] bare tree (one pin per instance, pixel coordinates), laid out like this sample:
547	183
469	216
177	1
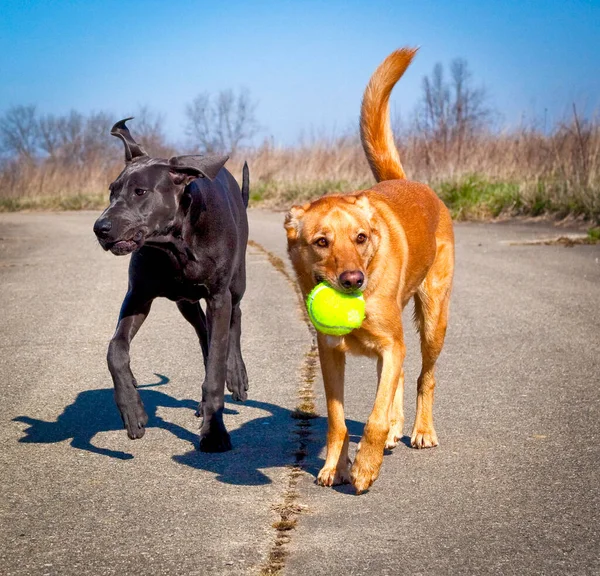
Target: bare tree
75	139
61	137
436	104
469	109
96	144
49	135
221	123
451	112
19	132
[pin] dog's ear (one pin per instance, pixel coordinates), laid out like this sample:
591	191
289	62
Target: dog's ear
188	168
132	149
293	220
362	202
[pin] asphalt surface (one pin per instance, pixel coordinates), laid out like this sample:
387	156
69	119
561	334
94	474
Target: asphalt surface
512	488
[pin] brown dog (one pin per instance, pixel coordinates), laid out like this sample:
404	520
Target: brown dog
394	242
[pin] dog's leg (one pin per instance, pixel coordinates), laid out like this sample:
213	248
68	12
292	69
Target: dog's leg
194	314
336	468
213	435
396	415
431	312
237	377
396	411
133	313
370	454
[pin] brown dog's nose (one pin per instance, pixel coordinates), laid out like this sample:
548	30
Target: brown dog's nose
352	279
102	227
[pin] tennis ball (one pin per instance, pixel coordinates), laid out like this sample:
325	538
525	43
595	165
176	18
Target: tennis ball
335	313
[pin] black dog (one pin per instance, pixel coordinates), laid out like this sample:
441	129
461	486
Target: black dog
185	221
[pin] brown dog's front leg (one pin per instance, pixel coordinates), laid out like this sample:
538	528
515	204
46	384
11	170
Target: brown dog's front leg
370	454
336	468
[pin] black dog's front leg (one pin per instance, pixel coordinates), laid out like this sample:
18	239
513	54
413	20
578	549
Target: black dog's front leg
132	316
213	435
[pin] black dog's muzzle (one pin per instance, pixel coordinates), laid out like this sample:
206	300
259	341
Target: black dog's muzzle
103	228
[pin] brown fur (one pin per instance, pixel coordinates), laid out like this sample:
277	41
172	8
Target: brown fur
408	253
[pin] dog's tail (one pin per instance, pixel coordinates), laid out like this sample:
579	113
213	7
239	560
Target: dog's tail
245	184
375	130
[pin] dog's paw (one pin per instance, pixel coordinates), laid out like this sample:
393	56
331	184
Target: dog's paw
134	419
132	411
215	442
331	476
424	438
237	378
213	436
365	469
393	437
238	394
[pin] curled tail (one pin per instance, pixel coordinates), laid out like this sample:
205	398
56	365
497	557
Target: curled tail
245	184
375	130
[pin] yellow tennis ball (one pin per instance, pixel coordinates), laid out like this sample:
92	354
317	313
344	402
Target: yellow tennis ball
335	313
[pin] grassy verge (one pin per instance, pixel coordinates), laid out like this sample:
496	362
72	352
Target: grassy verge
475	197
594	234
471	197
55	203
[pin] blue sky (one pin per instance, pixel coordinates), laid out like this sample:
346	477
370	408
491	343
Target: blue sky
306	62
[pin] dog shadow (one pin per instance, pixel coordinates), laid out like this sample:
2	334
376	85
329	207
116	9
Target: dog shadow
269	441
94	411
274	440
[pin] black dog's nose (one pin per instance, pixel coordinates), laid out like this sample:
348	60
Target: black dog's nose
352	279
102	227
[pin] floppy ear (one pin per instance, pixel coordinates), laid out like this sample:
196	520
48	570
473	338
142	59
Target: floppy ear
292	222
191	167
132	149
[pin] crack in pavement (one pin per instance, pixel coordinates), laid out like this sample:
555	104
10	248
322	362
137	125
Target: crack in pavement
289	509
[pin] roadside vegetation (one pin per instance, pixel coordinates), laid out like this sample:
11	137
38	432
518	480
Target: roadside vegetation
454	141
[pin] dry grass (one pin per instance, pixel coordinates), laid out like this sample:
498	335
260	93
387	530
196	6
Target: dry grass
485	175
283	176
54	185
521	172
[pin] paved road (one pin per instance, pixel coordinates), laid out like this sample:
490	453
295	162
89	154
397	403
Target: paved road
512	489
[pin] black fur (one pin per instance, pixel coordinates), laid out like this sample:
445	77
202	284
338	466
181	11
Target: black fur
185	222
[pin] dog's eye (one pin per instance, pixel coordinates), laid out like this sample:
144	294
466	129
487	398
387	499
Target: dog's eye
140	191
361	238
322	242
